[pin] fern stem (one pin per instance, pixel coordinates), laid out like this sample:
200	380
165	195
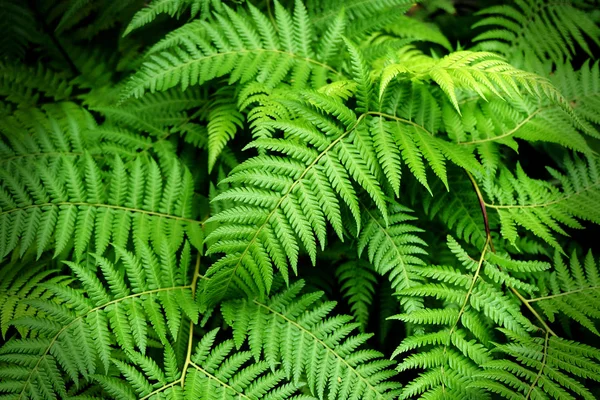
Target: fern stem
395	118
533	311
162	388
188	356
483	206
308	332
471	287
541	371
465	302
570	292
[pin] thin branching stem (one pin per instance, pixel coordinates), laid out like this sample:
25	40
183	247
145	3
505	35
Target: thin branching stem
483	206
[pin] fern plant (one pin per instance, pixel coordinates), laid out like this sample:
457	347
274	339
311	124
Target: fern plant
300	199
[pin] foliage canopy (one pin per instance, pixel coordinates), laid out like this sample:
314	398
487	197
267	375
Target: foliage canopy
220	199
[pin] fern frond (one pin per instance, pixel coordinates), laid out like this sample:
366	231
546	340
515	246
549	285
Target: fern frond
486	125
22	280
364	16
457	341
251	50
173	8
393	249
48	200
357	280
18	28
582	90
483	73
212	370
23	86
408	30
399	138
543	208
74	329
573	291
224	120
153	114
292	198
546	30
296	331
541	368
459	209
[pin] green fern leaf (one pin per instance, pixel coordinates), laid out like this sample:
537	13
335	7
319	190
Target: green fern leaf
297	330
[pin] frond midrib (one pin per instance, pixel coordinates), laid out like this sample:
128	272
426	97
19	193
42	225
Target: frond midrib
568	293
179	66
100	205
549	203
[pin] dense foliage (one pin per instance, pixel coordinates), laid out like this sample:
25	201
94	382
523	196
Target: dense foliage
209	199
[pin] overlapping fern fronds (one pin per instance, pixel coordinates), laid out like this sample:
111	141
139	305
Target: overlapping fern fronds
543	208
253	49
72	334
540	367
458	338
168	166
546	30
55	194
286	201
573	291
298	331
213	369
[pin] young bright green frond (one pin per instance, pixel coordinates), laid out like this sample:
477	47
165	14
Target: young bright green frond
483	73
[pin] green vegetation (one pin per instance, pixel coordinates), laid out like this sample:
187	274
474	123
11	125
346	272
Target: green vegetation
299	199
